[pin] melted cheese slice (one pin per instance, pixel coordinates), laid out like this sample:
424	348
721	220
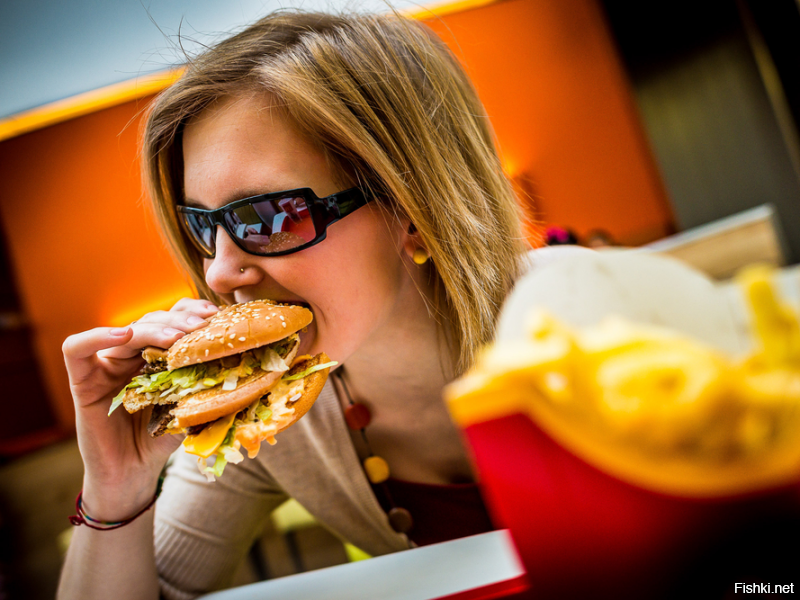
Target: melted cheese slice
207	441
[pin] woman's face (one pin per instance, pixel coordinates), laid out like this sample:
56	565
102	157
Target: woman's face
353	281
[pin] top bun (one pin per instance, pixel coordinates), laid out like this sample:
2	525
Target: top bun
238	328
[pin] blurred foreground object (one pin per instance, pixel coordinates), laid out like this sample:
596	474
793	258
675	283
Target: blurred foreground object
599	238
478	567
630	417
652	406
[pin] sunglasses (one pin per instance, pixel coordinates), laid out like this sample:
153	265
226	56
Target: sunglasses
273	224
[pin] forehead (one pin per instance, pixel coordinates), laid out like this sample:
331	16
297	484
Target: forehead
240	147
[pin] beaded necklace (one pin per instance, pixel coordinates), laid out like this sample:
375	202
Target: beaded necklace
358	417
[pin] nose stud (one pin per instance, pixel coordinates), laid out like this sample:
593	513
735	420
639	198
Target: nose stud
241	269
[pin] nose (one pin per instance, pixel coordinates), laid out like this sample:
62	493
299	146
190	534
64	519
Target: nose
227	272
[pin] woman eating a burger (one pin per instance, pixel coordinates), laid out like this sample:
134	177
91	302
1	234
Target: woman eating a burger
366	134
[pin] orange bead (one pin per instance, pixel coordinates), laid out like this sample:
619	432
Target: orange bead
377	469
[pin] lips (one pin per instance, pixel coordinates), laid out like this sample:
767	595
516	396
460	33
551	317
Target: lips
296	303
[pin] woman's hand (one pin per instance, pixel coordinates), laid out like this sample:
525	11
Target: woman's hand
122	462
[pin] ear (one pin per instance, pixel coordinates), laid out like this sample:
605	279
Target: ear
412	240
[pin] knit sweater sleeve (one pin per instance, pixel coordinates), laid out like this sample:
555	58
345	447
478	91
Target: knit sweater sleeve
203	530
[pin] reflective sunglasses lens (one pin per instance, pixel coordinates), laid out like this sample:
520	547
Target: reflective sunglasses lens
272	226
202	231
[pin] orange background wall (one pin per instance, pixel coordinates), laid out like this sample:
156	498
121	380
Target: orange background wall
563	110
84	253
82	250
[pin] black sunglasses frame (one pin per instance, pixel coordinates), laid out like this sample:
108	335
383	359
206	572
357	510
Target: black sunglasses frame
324	213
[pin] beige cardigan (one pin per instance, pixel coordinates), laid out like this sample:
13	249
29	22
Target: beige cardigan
203	530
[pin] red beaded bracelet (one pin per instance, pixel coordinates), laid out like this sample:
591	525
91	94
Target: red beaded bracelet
81	518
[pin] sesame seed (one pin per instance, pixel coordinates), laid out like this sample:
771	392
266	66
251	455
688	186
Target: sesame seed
241	339
230	345
284	324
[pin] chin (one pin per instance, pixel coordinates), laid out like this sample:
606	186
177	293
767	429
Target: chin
311	344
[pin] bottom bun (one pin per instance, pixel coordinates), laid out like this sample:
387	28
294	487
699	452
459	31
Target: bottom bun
312	386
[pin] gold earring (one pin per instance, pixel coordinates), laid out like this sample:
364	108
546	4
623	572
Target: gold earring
241	269
420	256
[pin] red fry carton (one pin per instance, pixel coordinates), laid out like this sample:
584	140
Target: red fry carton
636	460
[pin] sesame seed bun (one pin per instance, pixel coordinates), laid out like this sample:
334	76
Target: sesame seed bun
134	401
152	354
236	329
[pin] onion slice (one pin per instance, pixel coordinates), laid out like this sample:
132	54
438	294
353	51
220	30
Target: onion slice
231	381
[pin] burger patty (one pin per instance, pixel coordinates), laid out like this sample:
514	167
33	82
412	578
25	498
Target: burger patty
195	429
159	419
150	368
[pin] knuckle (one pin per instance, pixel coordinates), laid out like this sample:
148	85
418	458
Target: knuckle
183	304
155	315
193	306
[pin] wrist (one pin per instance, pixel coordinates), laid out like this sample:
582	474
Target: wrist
116	503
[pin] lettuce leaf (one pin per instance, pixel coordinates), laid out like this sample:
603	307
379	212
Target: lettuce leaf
229	436
309	371
117	400
263	413
272	361
231	454
219	466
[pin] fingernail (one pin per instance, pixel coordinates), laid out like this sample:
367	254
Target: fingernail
118	331
195	320
170	331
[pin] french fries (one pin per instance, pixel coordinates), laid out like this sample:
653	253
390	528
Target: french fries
629	387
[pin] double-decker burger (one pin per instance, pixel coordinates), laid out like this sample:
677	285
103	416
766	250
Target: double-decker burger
234	383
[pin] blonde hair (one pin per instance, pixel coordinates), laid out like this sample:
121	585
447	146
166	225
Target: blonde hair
392	108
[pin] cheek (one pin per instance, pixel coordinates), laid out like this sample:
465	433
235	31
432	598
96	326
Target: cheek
352	286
